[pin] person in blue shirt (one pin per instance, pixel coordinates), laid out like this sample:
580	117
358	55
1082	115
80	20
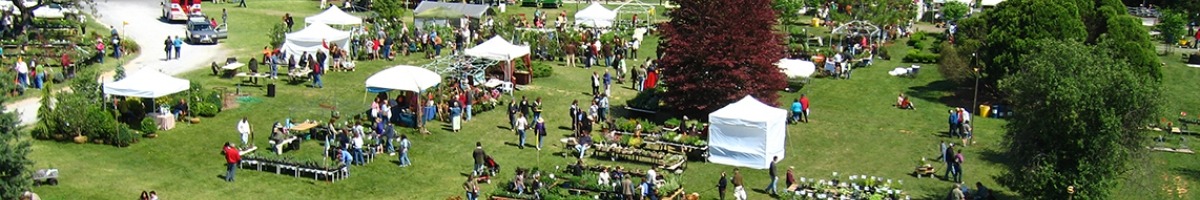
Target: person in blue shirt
796	109
953	123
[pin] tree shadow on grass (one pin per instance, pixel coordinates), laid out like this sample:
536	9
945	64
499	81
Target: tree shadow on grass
944	92
1193	174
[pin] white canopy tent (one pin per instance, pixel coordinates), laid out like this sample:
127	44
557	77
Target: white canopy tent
747	133
403	77
797	68
498	49
334	16
147	84
990	3
309	40
595	15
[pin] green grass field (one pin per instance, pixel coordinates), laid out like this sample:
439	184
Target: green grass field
854	130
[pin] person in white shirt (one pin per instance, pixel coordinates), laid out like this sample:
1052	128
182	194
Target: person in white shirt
22	71
243	127
521	124
357	141
651	177
604	178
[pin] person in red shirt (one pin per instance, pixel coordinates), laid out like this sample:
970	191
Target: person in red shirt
804	107
232	157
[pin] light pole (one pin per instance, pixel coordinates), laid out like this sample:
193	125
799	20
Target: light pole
975	99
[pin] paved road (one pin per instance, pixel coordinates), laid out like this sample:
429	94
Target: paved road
148	30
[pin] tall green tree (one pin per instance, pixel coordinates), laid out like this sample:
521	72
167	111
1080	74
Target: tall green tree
1076	116
1171	25
14	152
1016	25
1127	39
955	10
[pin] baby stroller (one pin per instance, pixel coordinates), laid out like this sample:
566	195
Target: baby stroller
493	168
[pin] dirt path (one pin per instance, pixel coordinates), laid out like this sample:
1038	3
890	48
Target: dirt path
148	30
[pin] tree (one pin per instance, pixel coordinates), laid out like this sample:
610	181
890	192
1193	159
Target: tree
390	9
26	17
1076	117
1127	39
1014	25
708	69
955	10
14	164
1171	25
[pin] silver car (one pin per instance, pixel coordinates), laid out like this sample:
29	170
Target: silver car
201	31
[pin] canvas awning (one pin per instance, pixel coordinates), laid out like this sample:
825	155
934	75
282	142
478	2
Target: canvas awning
470	10
147	84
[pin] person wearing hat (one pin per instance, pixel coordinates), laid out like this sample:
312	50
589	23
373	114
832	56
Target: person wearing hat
791	178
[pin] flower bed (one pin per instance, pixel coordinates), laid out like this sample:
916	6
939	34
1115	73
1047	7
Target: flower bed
855	187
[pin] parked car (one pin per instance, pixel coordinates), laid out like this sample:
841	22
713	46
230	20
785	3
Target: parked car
200	30
542	3
54	11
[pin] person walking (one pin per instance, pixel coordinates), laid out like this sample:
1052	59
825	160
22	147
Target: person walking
540	130
232	157
470	186
804	107
595	84
178	44
949	160
574	111
479	155
627	188
521	124
953	123
316	73
537	109
170	44
721	185
607	82
242	3
958	169
99	51
455	116
243	127
513	111
224	17
405	145
771	188
570	50
287	20
603	108
739	192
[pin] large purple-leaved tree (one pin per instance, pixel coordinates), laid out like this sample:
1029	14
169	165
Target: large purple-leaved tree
717	51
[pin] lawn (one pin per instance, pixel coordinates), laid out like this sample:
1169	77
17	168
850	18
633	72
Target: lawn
854	130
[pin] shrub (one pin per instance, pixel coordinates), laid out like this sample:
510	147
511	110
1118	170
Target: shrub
917	56
98	123
205	109
542	70
124	136
148	126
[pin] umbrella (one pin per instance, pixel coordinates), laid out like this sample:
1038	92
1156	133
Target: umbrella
403	77
440	13
797	68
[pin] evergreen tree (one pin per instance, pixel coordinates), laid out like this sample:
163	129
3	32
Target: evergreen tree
14	151
717	51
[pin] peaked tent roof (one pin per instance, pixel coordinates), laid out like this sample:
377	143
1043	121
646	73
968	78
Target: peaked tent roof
471	10
749	109
990	2
595	15
498	49
334	16
147	84
316	33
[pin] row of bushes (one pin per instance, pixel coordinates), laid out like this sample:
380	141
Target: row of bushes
918	56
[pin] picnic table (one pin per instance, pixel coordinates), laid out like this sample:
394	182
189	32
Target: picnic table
303	127
230	69
252	77
279	146
299	74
